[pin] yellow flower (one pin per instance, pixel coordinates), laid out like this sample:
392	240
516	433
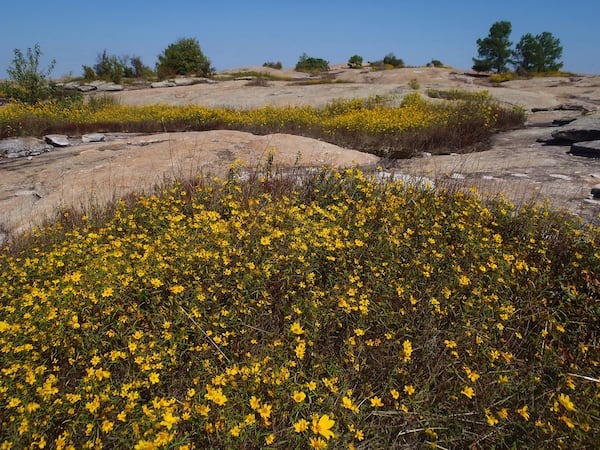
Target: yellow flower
409	389
406	350
169	420
107	426
322	425
318	443
153	377
296	328
566	402
376	402
270	439
177	289
395	394
524	412
349	404
567	421
468	392
299	396
301	426
215	395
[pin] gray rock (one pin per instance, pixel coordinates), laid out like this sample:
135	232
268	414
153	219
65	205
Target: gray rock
72	85
57	140
109	87
26	146
586	128
162	84
590	149
183	81
92	137
86	88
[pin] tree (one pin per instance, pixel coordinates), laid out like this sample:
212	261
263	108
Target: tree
110	67
391	60
355	62
494	51
30	82
309	64
183	57
538	53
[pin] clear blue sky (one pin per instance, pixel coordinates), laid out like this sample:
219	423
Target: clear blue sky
236	33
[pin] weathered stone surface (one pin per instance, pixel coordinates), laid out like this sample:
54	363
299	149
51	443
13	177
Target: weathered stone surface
57	140
109	87
92	137
86	88
183	81
596	191
589	148
26	146
162	84
586	128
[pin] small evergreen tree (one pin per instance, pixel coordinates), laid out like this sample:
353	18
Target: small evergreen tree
494	51
183	57
391	60
538	53
355	62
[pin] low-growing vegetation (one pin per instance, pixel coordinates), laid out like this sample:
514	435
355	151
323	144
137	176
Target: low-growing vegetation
376	125
311	65
324	310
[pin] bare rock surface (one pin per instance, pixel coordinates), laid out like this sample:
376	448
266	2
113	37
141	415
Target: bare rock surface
517	164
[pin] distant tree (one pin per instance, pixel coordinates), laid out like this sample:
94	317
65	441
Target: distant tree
273	65
309	64
538	53
109	67
355	62
435	63
29	82
183	57
391	60
494	51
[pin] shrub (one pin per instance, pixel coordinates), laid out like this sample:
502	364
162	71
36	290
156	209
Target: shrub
109	67
273	65
355	62
29	82
312	65
435	63
183	57
414	84
502	77
391	59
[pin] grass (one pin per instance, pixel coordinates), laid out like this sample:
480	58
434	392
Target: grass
372	125
323	309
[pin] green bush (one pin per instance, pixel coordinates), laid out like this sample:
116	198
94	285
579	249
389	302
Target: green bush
435	63
273	65
28	82
183	57
310	64
391	59
414	84
355	62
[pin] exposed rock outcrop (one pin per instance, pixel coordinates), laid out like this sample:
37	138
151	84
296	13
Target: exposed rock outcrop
586	128
23	147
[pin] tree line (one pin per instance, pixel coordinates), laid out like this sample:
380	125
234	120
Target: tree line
532	54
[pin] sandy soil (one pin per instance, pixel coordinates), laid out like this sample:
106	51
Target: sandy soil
516	164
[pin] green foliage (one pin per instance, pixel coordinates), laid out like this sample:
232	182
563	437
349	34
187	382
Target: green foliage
313	65
109	67
273	65
355	62
29	82
538	53
414	84
494	51
502	77
183	57
391	60
88	73
435	63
